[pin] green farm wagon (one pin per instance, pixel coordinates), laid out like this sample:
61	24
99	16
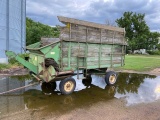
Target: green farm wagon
82	46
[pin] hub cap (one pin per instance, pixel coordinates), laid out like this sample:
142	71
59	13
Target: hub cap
68	86
112	79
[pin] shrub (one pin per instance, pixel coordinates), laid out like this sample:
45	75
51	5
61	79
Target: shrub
157	52
158	46
4	66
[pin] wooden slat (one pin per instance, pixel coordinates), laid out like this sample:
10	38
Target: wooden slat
93	36
46	41
66	20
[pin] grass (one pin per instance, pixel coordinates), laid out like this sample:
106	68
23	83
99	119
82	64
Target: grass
12	62
8	66
4	66
141	62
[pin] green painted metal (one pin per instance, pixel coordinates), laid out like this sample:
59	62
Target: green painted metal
10	54
37	60
27	64
34	46
53	52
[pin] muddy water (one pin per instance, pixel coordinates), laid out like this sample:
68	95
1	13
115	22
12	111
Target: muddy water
133	88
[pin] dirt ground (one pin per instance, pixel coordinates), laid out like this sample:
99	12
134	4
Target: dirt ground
155	71
151	72
114	109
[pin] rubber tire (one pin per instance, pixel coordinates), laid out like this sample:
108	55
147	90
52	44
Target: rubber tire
50	61
62	83
87	82
84	73
48	87
107	76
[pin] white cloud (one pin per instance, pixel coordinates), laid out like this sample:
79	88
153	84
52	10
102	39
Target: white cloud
98	11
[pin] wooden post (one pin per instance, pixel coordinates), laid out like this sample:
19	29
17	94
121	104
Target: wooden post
69	48
100	48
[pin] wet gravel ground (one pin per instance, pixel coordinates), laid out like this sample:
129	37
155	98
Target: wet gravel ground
134	97
112	110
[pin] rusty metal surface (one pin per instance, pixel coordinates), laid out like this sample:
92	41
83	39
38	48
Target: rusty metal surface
64	73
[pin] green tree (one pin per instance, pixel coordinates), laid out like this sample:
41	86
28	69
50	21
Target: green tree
137	31
158	46
152	42
36	30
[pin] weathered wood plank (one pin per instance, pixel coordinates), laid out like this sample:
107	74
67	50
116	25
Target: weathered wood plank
89	24
78	34
78	49
46	41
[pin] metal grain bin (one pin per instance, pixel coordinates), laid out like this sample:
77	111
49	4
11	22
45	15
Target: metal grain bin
12	26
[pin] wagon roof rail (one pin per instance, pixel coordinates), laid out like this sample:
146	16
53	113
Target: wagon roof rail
66	20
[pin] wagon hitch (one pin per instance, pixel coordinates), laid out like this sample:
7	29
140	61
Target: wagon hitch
36	77
19	88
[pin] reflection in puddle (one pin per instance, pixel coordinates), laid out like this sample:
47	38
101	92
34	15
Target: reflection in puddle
135	88
140	89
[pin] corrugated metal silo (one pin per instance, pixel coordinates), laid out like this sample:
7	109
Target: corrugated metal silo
12	26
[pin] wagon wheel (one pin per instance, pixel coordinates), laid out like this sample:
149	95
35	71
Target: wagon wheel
111	78
67	86
87	82
50	61
48	87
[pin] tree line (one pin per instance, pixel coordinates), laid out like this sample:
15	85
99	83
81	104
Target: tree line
138	33
36	30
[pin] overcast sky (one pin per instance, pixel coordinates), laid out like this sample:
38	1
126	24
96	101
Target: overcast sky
99	11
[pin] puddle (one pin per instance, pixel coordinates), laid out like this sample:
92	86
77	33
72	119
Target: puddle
134	88
138	88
